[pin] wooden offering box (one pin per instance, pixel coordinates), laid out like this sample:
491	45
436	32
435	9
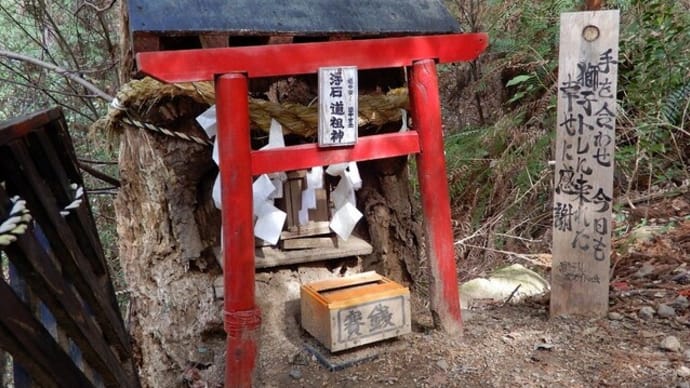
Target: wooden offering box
346	312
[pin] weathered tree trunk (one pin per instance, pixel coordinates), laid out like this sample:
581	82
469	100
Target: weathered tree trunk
166	224
394	233
167	228
593	5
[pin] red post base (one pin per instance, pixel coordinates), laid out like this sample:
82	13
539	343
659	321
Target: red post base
431	165
242	328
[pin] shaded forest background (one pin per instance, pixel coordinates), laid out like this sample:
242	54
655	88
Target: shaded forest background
500	111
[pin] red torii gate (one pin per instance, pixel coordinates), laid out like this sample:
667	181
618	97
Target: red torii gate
230	68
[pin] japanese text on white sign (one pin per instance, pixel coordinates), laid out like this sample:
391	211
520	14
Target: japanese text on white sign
338	110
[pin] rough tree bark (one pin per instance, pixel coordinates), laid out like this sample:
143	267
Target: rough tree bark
166	226
385	199
126	58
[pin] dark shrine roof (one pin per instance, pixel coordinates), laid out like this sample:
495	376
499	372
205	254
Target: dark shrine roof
292	17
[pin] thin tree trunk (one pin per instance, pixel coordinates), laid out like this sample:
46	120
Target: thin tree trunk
593	5
3	367
126	68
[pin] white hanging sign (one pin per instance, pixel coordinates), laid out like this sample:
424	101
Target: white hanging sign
338	110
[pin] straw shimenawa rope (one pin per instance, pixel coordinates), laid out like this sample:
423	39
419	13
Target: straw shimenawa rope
301	120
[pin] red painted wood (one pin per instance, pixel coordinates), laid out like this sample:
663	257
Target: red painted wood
241	315
431	165
310	155
285	59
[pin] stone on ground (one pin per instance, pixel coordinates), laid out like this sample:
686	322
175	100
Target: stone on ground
670	344
501	283
683	371
681	303
665	311
646	313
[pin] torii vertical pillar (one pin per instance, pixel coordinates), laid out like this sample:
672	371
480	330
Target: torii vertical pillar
431	166
242	317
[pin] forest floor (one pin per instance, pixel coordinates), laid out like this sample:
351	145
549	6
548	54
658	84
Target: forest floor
639	343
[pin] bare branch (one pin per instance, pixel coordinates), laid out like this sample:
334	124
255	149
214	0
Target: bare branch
98	9
46	90
48	93
104	191
91	161
99	175
512	294
62	71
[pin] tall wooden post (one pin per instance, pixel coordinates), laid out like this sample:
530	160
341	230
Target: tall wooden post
585	143
242	317
431	164
593	5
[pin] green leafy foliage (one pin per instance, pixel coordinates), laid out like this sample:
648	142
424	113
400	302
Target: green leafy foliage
529	42
675	109
63	33
498	172
654	79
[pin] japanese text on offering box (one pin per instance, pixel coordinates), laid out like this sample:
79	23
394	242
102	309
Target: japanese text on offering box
373	318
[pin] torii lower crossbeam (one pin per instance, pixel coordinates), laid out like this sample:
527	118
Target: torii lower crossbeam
231	67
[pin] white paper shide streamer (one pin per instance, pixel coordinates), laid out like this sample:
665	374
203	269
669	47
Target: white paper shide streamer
346	214
268	219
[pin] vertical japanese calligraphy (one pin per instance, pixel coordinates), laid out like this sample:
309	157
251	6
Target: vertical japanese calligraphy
338	98
583	179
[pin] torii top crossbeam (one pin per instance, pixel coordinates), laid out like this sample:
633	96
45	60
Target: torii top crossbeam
303	58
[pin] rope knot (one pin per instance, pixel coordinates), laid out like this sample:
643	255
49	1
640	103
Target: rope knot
16	224
78	194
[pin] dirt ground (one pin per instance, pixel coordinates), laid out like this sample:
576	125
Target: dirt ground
513	344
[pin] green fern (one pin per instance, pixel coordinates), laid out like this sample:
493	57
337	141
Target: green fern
675	104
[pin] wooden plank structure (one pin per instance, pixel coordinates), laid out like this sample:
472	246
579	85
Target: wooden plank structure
231	68
59	318
585	143
267	257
